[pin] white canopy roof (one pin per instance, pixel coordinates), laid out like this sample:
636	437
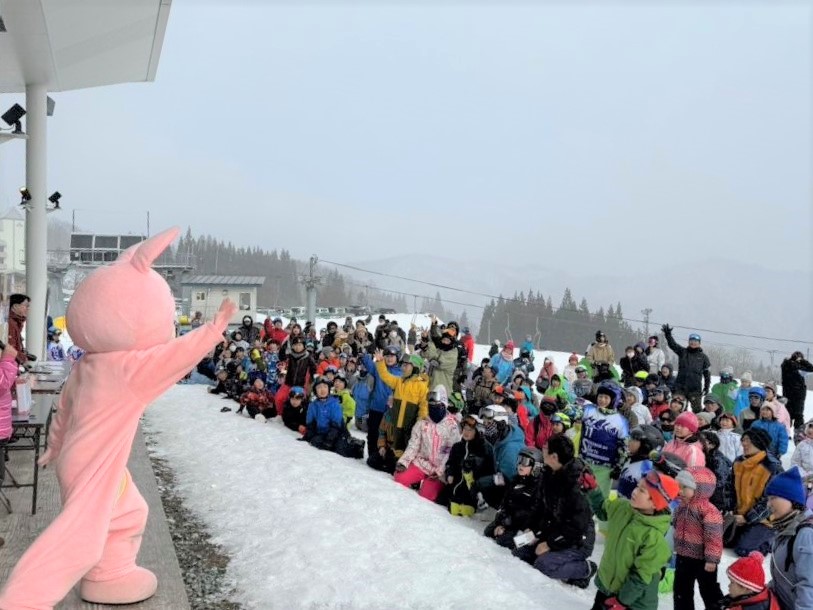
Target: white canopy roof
74	44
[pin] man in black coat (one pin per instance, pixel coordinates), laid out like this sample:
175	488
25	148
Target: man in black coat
694	374
563	527
794	387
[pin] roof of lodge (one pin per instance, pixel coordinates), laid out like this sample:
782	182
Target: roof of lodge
224	280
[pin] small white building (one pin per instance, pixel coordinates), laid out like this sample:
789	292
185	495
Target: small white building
12	249
204	293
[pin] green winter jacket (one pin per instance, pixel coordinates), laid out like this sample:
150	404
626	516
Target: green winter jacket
348	403
634	554
727	393
443	372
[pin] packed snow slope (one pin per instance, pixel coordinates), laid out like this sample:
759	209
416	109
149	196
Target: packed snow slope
309	529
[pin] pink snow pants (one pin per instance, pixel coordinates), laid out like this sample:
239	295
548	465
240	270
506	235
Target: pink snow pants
430	488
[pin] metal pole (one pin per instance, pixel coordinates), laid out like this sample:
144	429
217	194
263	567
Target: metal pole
148	223
311	281
646	313
36	270
73	221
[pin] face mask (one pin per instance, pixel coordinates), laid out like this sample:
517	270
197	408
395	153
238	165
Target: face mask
437	412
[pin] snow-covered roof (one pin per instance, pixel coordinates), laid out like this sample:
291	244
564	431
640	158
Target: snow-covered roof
13	213
224	280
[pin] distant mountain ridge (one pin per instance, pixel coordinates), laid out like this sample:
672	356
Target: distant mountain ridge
719	294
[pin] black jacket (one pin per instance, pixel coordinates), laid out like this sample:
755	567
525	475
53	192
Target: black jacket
294	418
693	375
298	367
564	519
630	366
475	456
793	383
520	504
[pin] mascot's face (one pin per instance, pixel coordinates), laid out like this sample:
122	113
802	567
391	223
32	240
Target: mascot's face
126	305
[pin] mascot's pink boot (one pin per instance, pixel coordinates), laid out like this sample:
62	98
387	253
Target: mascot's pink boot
123	316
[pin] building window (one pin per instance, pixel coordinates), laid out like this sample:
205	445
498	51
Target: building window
245	301
200	296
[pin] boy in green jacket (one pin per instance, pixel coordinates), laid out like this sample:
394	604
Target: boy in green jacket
635	549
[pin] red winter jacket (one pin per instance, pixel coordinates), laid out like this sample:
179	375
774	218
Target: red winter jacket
526	424
271	332
544	430
468	343
698	523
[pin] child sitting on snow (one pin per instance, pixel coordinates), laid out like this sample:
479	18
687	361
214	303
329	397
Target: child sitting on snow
258	402
471	457
295	410
345	398
635	550
324	423
431	441
521	502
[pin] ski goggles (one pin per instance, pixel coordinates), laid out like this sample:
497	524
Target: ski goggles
526	460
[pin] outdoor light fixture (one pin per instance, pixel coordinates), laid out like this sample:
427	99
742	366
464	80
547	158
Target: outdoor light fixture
25	196
54	198
12	117
49	106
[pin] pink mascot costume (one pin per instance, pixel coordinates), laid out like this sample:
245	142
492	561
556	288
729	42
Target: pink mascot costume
122	315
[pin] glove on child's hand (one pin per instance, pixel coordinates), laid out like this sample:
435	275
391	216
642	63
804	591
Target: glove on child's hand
613	604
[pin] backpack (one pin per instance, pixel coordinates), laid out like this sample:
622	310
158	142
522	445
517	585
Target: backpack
804	524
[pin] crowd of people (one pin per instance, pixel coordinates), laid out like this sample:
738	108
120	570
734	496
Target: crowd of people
668	467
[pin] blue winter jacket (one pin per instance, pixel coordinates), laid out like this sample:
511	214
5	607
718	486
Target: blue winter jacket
381	391
326	412
506	451
778	434
505	368
741	402
793	586
363	394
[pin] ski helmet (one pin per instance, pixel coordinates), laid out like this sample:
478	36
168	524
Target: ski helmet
531	456
649	436
561	418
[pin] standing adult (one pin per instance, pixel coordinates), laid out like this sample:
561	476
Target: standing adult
694	375
17	315
794	387
654	355
601	350
467	340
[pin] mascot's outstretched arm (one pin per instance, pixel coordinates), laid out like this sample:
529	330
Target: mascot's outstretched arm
122	316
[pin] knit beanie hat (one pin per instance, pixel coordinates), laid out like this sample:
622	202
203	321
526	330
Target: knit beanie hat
759	438
688	420
662	489
685	479
748	571
707	417
747	376
788	485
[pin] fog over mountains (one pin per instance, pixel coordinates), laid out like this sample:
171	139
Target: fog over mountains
721	295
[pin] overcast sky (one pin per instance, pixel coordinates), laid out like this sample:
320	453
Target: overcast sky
552	133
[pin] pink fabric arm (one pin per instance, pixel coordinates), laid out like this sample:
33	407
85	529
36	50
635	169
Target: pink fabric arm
56	432
8	373
155	370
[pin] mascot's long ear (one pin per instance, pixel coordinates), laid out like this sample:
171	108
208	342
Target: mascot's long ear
141	256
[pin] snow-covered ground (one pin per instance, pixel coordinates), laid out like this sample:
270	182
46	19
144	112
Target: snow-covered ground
311	529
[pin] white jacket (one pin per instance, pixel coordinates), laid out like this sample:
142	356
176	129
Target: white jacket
430	444
730	445
803	457
656	359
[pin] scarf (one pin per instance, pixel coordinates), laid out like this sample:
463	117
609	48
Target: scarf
782	523
750	479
